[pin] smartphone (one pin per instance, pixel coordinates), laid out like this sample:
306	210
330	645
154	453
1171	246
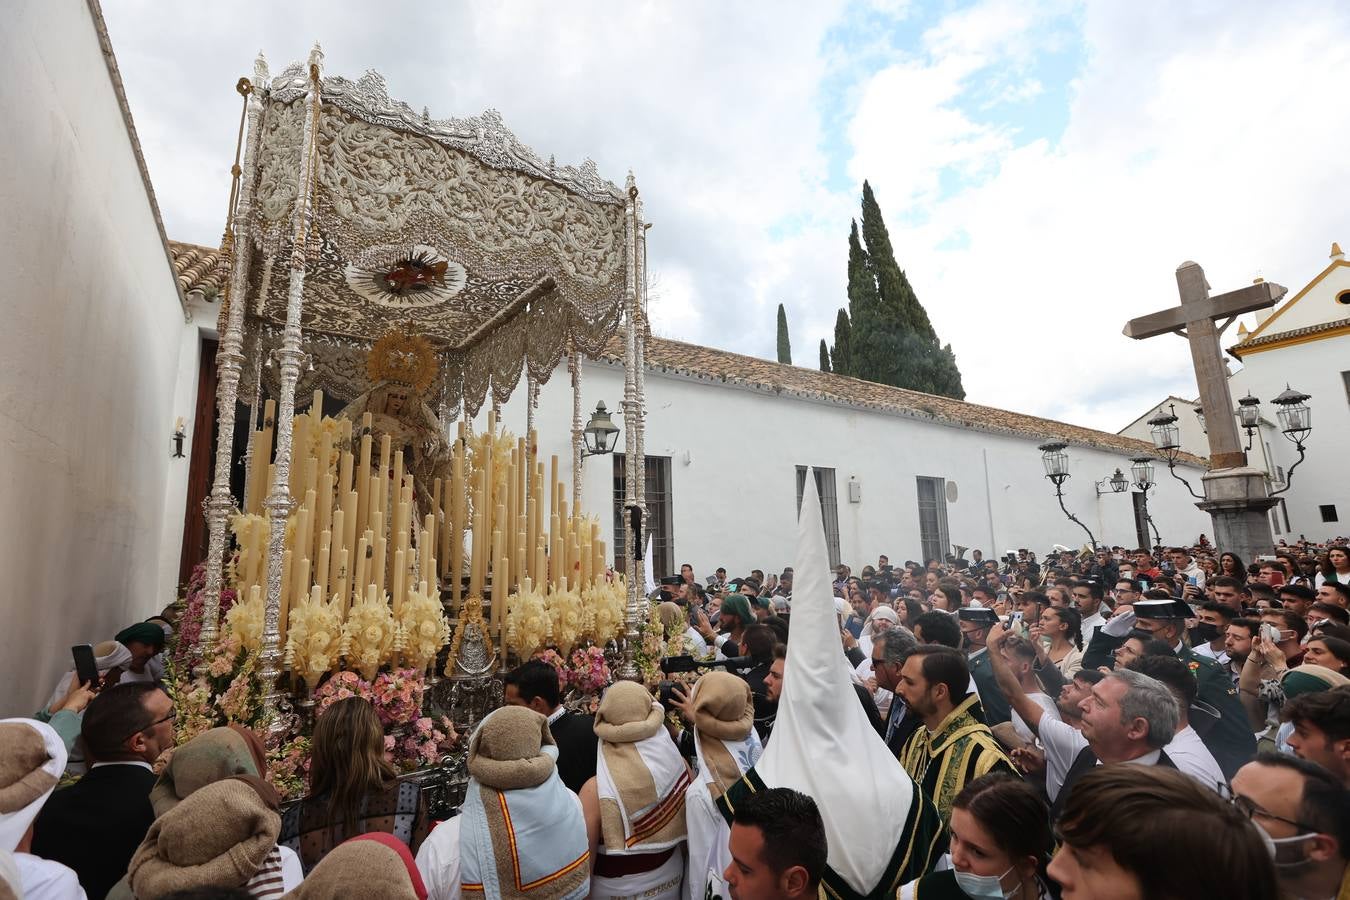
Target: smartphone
85	668
1270	632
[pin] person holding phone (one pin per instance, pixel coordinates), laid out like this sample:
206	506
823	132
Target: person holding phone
64	710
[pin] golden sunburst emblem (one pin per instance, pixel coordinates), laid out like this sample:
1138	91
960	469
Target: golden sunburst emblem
403	358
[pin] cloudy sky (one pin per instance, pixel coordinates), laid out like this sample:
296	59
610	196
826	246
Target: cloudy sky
1043	165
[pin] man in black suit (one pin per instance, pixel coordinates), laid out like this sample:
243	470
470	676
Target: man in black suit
889	652
96	825
534	684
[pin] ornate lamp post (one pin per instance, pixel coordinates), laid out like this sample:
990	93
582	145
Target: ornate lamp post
1056	463
1296	424
1249	416
1167	438
1141	469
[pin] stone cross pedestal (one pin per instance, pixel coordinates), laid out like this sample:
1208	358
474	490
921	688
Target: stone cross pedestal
1236	495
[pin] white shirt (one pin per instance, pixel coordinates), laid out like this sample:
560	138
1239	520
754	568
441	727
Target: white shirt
1044	702
125	762
1091	624
438	861
1062	743
1190	755
46	880
1219	656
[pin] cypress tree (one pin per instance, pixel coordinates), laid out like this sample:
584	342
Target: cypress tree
896	295
824	356
784	345
841	355
892	339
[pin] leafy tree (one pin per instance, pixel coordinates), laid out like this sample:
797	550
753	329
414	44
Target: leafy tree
824	356
784	345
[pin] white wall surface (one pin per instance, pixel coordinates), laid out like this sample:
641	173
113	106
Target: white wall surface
88	353
1315	369
1193	437
734	501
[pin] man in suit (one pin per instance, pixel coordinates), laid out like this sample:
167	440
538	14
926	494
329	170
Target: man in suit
96	825
1229	738
889	651
534	684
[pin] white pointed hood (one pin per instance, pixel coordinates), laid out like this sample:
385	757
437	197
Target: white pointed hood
822	743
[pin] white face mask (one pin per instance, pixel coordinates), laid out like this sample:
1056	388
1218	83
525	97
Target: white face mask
1274	845
984	887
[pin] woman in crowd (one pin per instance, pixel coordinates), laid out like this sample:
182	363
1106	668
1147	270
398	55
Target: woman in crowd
1151	833
1064	629
1330	652
1334	566
1000	843
353	789
1231	565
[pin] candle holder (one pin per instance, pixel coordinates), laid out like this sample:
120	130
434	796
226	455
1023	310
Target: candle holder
179	435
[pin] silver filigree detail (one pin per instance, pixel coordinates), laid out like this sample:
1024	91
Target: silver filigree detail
484	136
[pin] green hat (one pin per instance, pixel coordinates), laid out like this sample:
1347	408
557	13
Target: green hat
739	606
145	632
1310	679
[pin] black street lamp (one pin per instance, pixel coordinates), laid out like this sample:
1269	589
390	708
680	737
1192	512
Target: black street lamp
1056	463
1116	482
1141	468
1167	438
1296	424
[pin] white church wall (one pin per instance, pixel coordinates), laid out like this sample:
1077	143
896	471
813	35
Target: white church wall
734	452
88	354
1316	368
191	335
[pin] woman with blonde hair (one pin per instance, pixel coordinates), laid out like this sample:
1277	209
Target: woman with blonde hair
353	788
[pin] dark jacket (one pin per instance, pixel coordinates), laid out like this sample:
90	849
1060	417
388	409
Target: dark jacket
574	734
95	825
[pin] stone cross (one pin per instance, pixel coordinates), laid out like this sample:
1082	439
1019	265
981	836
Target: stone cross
1195	320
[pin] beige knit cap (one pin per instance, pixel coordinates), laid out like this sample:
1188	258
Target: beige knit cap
357	869
218	836
506	750
723	706
627	714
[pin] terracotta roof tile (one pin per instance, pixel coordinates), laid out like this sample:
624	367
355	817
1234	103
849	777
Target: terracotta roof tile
197	267
1277	336
707	363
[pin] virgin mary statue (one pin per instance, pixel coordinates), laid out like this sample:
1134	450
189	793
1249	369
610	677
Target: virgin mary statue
401	368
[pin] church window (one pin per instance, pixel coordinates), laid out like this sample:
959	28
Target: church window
829	507
932	517
1343	298
659	522
1328	511
1345	377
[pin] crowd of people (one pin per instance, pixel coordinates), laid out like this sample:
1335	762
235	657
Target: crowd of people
1155	723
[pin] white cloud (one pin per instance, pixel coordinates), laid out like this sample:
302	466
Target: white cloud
1199	130
1222	146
